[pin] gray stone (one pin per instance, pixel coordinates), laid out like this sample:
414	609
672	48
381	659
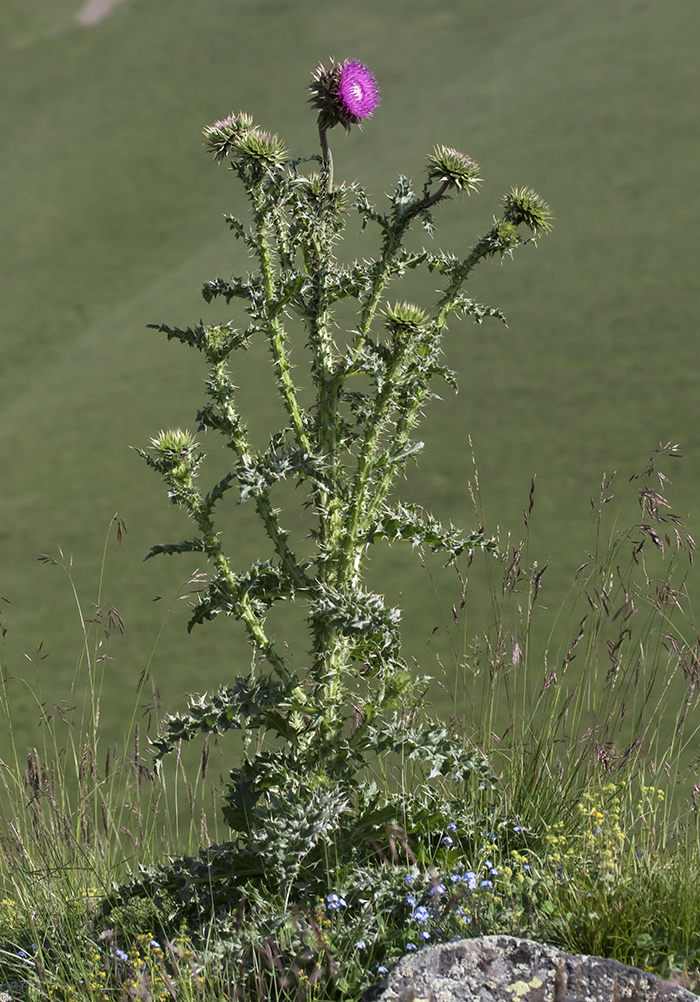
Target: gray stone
505	969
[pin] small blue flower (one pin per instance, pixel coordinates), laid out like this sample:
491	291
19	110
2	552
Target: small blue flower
493	871
488	864
455	878
382	969
360	945
334	902
527	867
519	828
452	827
486	883
411	946
154	944
421	914
121	955
470	880
437	889
410	900
447	840
409	878
425	934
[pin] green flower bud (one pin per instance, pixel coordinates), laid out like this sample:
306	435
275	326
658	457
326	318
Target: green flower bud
220	137
404	320
177	452
523	205
453	168
259	149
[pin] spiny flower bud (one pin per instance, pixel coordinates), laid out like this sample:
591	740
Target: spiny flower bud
523	205
451	167
405	320
177	449
259	149
345	93
220	137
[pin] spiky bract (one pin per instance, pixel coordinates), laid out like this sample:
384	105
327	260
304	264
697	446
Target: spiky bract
238	138
405	320
449	166
523	205
220	137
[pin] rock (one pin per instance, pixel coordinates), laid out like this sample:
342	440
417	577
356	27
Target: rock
505	969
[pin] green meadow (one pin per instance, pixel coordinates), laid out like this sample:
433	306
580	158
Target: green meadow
112	220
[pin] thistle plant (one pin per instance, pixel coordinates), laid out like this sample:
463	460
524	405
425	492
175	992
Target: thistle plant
344	450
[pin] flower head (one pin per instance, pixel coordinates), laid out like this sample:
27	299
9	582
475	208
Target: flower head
453	168
523	205
421	914
357	90
344	93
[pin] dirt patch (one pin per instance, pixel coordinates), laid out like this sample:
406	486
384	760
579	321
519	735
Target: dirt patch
95	11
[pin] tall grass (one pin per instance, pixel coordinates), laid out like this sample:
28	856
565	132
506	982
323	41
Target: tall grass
583	831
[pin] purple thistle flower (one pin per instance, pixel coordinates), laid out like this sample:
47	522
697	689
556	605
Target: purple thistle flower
344	94
357	90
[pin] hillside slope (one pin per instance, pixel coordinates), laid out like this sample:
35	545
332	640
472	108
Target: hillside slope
113	223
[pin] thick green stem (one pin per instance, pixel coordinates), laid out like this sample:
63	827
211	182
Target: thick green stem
383	265
244	610
351	549
327	158
275	331
221	389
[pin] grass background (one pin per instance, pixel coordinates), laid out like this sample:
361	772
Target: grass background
111	221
